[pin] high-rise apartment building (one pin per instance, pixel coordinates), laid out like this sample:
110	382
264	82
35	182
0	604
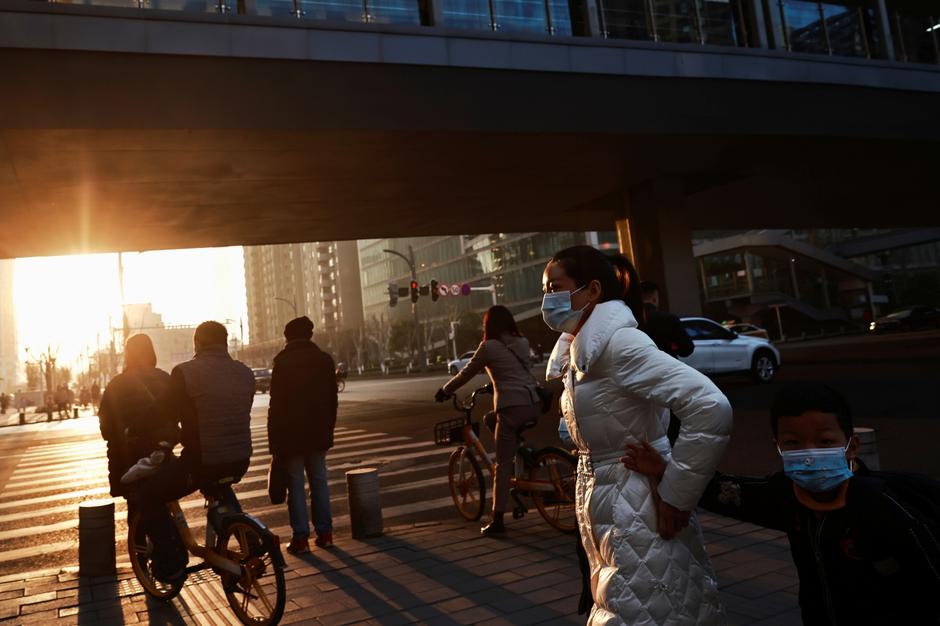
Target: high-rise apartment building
316	279
9	358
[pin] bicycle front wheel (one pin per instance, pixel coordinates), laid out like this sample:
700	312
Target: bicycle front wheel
466	484
340	385
259	594
556	506
140	549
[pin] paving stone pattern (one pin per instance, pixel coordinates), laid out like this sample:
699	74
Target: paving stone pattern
430	574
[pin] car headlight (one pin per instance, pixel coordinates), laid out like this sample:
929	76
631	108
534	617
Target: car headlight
871	326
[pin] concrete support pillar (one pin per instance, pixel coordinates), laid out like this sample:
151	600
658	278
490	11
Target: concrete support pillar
775	24
884	28
661	242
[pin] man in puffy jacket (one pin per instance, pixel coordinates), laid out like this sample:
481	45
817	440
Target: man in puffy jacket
210	398
301	419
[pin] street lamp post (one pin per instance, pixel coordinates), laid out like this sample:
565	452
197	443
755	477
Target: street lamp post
410	260
290	302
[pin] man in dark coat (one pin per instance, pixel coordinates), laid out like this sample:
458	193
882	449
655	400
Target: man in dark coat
126	401
301	419
667	332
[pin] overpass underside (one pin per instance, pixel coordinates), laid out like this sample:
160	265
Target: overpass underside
124	148
104	151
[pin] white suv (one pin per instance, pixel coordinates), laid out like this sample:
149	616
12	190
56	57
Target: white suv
722	351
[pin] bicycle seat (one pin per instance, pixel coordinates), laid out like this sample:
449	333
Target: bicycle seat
218	488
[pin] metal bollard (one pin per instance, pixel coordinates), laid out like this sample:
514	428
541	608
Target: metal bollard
22	417
365	509
96	549
868	447
75	413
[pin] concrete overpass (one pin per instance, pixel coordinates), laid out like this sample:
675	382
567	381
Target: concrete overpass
128	129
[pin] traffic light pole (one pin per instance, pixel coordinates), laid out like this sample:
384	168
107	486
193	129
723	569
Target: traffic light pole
419	341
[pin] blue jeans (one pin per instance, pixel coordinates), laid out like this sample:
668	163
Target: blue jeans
314	463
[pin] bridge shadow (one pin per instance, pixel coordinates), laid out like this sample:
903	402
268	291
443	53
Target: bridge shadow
421	584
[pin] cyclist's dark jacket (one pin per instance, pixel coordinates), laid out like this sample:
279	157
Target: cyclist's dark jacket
857	565
666	331
126	401
302	413
210	396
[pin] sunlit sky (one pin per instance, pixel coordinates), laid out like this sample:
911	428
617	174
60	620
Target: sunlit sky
63	303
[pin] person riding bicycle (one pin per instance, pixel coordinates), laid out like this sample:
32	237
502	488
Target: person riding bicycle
209	398
504	352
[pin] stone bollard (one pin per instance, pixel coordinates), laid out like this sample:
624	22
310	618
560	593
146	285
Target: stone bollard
22	417
365	509
868	448
75	413
96	549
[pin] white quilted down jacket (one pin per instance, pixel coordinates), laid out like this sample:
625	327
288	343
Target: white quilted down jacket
618	389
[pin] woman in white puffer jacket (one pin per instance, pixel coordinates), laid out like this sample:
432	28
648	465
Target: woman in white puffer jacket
645	548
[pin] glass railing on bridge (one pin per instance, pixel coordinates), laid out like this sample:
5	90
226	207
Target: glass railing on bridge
850	28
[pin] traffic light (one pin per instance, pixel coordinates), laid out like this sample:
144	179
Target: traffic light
434	292
392	294
414	291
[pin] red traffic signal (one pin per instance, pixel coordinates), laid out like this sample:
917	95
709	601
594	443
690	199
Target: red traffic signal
414	291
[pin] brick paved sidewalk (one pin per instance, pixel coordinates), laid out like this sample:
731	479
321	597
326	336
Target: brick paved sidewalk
433	574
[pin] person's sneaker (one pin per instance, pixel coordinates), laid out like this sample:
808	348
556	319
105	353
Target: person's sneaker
493	528
299	545
324	540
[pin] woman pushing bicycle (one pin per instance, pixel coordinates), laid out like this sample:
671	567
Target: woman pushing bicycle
504	352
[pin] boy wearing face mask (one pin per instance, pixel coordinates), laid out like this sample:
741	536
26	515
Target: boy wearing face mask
866	553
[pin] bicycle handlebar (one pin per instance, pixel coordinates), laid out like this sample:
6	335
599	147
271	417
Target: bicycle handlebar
470	401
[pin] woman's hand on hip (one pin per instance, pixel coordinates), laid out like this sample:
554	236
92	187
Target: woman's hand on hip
644	459
670	520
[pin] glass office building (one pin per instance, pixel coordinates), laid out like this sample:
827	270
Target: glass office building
510	264
853	28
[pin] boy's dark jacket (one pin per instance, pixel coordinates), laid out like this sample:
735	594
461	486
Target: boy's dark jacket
871	562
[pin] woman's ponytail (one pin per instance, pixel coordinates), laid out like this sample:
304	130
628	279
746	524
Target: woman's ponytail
629	280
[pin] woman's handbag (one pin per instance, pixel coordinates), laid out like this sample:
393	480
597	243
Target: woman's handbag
546	396
277	480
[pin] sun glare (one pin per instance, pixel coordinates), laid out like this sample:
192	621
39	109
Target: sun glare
70	304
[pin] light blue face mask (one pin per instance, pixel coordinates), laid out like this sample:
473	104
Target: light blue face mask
557	312
817	469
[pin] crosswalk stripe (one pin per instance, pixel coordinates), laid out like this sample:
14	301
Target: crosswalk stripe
43	513
259	463
28	474
190	503
78	470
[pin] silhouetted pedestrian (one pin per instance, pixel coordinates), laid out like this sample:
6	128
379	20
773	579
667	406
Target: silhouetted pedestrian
301	420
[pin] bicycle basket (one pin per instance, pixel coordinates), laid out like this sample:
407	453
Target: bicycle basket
451	431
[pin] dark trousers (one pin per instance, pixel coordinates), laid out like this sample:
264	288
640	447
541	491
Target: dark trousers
177	479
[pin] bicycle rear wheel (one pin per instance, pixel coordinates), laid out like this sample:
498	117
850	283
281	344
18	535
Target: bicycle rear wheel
140	549
466	484
557	506
259	594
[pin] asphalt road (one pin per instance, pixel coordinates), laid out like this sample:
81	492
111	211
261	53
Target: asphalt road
46	469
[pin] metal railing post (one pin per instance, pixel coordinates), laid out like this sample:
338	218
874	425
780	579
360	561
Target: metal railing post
884	26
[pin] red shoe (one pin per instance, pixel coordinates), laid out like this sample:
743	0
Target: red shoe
299	545
324	540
